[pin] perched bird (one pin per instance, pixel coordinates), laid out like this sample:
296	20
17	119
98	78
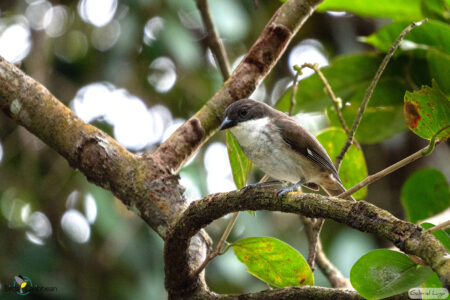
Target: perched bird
280	147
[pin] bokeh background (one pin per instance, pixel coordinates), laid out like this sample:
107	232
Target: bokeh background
138	69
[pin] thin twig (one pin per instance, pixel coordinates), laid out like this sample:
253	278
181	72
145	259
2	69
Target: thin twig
372	178
334	276
224	237
214	41
218	249
312	229
371	87
336	102
442	226
298	72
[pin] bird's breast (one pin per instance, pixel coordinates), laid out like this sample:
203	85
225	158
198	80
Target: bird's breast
264	146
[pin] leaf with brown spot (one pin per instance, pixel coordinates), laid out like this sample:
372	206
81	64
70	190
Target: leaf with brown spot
427	111
273	261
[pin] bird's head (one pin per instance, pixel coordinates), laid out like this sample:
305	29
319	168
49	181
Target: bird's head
242	111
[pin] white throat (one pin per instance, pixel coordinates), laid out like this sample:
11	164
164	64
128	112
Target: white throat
251	132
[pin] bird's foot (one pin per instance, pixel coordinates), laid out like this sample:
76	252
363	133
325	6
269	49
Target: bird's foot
258	185
286	190
292	188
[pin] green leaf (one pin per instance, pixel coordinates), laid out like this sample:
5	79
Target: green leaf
430	34
425	194
353	168
395	9
427	111
441	235
382	273
273	261
439	65
349	76
240	164
436	9
432	282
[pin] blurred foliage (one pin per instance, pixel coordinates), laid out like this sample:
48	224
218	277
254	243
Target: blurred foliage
395	9
154	52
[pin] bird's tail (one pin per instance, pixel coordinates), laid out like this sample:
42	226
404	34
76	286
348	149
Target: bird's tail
335	188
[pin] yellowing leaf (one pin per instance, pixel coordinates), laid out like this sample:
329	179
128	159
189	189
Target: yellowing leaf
273	261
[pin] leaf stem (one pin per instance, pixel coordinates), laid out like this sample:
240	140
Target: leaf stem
433	141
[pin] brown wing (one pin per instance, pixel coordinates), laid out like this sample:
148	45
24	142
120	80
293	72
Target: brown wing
304	143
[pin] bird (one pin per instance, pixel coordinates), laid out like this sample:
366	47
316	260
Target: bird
278	145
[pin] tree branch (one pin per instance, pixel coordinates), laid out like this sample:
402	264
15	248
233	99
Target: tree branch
371	87
360	215
374	177
260	59
304	293
214	41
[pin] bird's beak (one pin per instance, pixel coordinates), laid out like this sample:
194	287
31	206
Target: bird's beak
227	123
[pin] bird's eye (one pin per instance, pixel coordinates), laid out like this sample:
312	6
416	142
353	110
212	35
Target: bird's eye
243	112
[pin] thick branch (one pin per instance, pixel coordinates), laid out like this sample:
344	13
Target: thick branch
139	182
258	62
361	215
294	293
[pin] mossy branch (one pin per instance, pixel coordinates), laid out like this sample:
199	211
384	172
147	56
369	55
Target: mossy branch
360	215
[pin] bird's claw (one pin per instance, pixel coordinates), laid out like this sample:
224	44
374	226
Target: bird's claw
284	191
